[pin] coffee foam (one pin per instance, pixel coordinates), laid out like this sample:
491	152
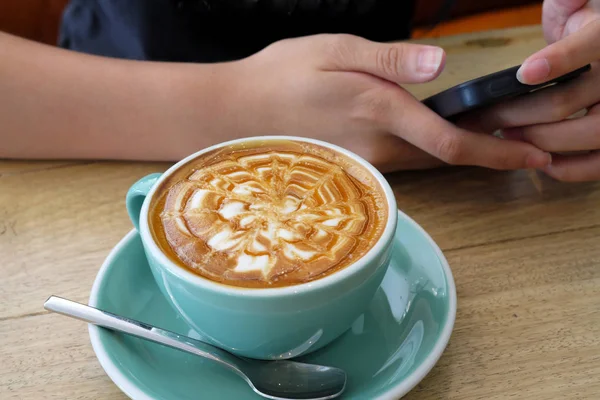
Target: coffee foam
270	215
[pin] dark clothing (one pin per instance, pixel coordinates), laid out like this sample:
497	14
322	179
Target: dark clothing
220	30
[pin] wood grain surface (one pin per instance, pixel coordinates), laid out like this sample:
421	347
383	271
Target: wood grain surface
526	261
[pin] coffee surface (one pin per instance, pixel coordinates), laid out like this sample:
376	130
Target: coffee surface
268	213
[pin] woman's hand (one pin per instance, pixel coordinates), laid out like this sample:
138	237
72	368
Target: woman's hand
345	90
338	88
572	27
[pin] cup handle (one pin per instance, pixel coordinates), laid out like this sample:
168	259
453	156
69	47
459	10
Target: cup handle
136	196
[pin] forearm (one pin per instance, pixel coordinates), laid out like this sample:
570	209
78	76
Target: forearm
56	103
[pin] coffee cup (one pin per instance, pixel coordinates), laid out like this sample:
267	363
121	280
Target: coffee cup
286	319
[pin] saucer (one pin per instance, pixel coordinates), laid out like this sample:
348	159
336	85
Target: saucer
385	353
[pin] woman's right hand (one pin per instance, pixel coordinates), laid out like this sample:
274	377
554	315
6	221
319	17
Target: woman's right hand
346	90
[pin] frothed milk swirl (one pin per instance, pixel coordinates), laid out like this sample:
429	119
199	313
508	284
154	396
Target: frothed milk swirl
268	214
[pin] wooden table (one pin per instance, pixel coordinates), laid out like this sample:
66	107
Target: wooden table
526	261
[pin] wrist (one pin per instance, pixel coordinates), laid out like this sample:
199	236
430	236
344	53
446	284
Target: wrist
198	105
204	98
227	100
251	97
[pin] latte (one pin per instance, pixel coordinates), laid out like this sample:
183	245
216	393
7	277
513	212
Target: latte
268	213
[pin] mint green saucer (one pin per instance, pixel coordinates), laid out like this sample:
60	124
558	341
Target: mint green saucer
386	353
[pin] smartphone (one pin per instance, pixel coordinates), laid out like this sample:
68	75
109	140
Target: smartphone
487	90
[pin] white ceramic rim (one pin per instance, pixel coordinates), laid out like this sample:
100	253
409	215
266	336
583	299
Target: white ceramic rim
403	387
386	236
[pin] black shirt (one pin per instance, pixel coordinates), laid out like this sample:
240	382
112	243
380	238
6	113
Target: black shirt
220	30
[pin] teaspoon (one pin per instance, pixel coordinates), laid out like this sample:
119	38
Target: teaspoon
271	379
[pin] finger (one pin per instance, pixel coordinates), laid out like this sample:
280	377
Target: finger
555	14
549	105
390	153
395	62
578	168
570	135
566	55
420	126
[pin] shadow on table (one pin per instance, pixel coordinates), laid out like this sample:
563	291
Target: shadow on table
468	184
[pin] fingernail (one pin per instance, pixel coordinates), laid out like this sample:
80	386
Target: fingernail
534	71
430	60
539	160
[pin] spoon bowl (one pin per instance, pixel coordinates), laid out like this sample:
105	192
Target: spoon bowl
303	381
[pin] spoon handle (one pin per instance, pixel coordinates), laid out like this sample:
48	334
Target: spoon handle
142	330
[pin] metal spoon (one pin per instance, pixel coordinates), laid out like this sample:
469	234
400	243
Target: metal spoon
270	379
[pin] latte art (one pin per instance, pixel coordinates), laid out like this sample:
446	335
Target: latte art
269	216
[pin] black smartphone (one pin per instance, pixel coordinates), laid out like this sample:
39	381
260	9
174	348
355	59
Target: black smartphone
487	90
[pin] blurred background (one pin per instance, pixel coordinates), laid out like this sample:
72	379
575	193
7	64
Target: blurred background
39	19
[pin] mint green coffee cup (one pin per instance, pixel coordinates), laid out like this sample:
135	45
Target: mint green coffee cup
266	323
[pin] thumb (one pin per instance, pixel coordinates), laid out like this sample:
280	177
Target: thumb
562	57
395	62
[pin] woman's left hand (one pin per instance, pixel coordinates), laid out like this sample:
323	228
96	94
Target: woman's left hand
572	27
